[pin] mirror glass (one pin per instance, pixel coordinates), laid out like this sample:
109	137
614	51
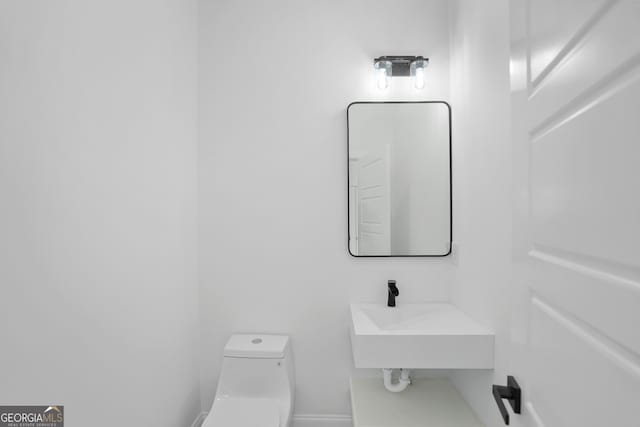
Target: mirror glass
399	178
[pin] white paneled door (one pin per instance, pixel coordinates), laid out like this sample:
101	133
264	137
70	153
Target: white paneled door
575	70
374	210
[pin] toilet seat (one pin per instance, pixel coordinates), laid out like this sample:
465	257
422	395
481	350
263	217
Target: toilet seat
237	412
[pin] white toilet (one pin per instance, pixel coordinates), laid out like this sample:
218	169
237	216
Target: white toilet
256	385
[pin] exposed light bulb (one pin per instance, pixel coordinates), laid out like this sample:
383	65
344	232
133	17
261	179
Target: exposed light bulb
419	78
418	66
381	78
383	73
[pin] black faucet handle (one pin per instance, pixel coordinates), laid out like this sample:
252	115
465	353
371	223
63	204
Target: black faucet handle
393	289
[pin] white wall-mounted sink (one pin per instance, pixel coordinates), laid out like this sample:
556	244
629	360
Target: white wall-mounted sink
418	336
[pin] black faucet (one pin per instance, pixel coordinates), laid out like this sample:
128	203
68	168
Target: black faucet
393	293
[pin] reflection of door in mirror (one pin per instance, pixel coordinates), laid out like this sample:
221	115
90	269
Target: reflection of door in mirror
371	212
399	178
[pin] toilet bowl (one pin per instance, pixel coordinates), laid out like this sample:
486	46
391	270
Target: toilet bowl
256	385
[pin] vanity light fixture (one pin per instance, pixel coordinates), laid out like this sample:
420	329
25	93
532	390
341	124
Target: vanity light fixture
400	66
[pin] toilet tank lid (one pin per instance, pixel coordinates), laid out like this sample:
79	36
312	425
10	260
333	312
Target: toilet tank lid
257	346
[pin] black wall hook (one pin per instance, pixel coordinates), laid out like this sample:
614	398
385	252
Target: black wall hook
512	393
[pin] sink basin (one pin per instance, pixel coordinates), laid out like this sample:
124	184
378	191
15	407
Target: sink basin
418	336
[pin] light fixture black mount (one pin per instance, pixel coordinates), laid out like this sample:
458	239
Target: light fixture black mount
510	392
401	65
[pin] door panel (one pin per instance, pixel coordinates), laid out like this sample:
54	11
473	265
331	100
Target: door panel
603	57
569	356
554	25
374	210
576	131
579	172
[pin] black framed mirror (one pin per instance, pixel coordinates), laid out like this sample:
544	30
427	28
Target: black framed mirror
399	179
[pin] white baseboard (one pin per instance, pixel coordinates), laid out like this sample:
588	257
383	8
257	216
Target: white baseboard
199	419
302	420
307	420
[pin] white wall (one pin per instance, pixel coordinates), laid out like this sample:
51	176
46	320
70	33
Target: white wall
275	80
98	209
482	180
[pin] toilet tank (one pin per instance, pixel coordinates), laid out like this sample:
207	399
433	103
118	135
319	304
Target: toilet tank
258	366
